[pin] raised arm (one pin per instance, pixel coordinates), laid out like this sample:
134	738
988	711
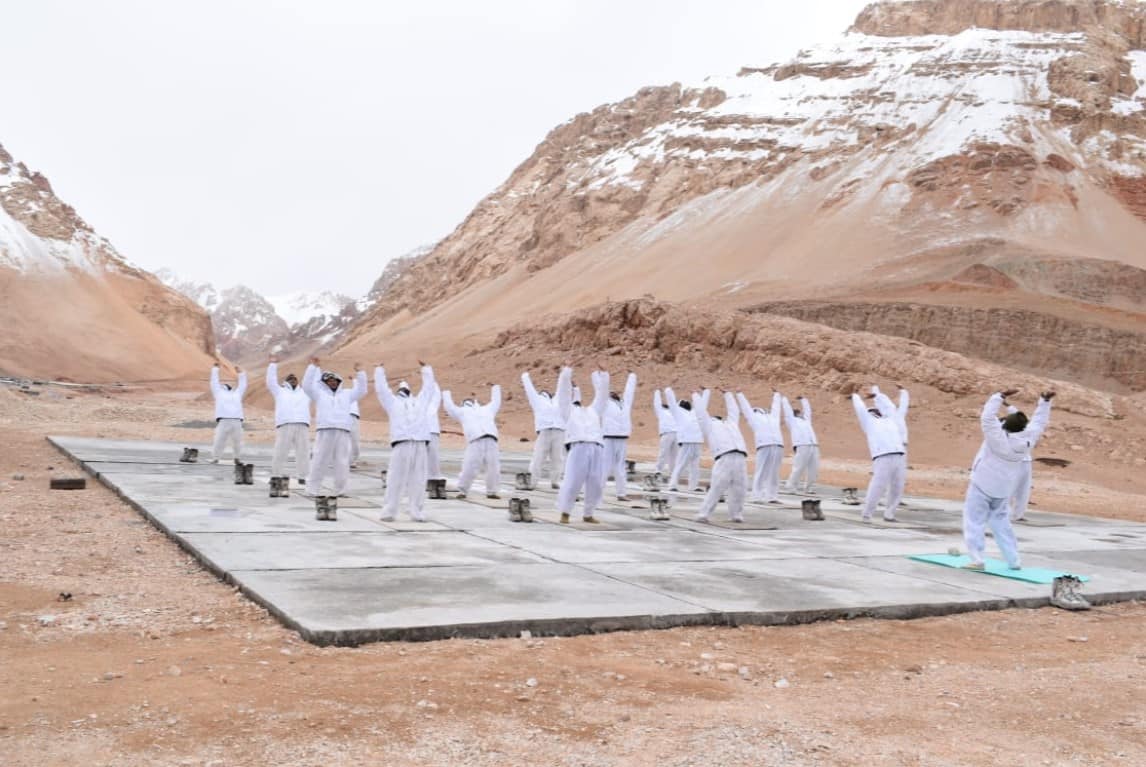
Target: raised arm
993	431
886	407
241	387
216	387
658	402
600	392
630	392
806	406
530	389
861	411
382	389
904	402
453	410
745	405
732	411
273	385
787	408
1039	421
429	383
700	408
774	413
361	387
433	399
673	402
310	381
564	392
495	398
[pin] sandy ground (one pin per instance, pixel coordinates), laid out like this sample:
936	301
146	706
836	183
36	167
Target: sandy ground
155	662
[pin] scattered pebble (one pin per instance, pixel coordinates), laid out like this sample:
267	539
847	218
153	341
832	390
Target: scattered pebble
829	675
110	675
530	682
427	704
174	671
743	672
1076	639
781	683
725	666
18	477
46	620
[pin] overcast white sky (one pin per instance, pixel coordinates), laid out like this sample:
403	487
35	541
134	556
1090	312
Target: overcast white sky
300	144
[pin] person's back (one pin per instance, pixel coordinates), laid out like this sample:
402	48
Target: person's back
998	467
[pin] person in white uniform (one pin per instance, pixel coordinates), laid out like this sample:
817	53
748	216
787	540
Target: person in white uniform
618	428
806	464
666	430
898	410
408	469
332	407
729	457
228	414
689	438
1018	502
996	474
585	443
549	447
479	425
769	440
292	423
884	432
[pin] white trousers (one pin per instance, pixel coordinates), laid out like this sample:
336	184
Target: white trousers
888	477
616	448
482	452
979	511
729	478
584	470
434	458
805	468
688	456
331	456
291	437
228	431
406	475
666	453
766	480
1022	495
355	448
548	452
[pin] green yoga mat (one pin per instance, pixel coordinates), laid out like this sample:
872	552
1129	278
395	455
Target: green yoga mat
996	567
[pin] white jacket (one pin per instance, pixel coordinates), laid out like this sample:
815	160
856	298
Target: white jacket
722	434
883	433
687	428
666	424
800	426
433	409
889	408
477	420
619	415
545	412
332	408
291	404
228	402
583	424
409	416
999	467
765	425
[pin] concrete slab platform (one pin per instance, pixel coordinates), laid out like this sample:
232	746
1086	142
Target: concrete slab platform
470	571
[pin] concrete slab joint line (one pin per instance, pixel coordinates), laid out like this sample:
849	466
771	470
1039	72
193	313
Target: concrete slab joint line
469	571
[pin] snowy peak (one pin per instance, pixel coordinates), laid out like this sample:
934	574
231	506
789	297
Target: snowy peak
303	306
41	233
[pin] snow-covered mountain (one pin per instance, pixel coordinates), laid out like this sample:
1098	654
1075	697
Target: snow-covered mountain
940	151
302	306
74	307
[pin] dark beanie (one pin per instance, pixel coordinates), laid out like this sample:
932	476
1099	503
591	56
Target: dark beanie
1015	422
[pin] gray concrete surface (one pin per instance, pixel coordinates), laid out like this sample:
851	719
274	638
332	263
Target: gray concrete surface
470	571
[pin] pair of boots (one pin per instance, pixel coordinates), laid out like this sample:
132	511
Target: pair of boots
519	510
244	473
280	487
326	508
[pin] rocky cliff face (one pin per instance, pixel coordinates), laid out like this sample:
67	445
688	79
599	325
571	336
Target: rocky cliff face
73	306
877	163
